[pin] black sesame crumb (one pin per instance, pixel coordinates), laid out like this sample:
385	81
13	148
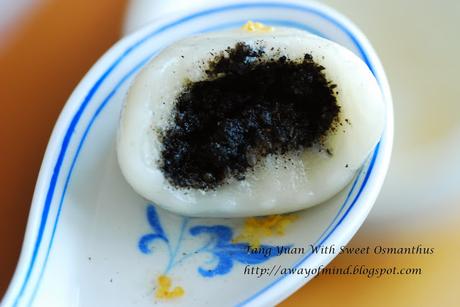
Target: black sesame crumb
247	108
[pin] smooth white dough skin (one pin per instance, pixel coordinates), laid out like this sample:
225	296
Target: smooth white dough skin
307	180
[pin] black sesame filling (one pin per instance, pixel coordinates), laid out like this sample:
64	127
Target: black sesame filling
250	106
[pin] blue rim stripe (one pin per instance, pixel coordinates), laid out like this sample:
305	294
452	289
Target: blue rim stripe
343	205
93	90
49	195
268	21
363	184
99	109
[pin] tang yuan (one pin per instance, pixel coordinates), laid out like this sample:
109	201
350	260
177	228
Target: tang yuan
247	122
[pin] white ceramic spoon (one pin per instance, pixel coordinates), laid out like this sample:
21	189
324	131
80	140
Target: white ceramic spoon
92	241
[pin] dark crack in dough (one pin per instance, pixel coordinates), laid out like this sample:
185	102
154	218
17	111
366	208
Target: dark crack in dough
248	108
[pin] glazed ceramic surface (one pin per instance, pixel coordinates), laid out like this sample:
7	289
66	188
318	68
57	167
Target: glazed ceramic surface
92	241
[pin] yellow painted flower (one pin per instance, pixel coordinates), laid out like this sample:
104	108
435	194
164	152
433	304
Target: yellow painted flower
251	26
164	289
256	228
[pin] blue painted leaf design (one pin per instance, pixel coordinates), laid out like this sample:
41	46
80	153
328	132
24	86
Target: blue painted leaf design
224	265
145	241
158	234
154	221
226	252
220	233
239	252
219	245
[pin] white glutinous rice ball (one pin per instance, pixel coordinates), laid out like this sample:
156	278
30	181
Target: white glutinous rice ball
248	122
